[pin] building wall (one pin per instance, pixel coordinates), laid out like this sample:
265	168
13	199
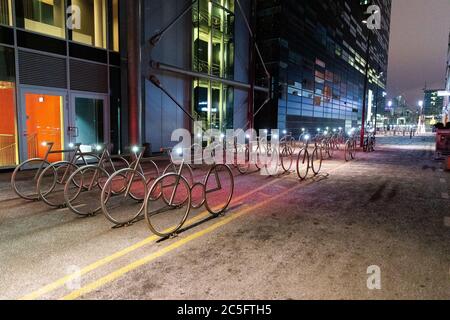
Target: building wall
162	116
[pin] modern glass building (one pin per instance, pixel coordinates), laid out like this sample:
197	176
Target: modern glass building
60	75
433	104
317	53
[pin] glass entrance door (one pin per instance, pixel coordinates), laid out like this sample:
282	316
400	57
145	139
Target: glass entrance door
90	120
43	122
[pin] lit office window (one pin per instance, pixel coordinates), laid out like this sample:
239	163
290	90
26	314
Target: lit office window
115	26
5	12
8	136
93	23
43	16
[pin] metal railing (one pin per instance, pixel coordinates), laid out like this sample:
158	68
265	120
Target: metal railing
7	150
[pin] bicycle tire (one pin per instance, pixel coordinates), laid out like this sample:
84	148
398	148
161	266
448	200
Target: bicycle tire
26	190
302	164
107	195
52	170
166	231
70	199
228	196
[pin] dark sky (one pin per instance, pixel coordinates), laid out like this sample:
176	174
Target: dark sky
418	47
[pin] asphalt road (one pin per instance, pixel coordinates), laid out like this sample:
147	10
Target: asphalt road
280	239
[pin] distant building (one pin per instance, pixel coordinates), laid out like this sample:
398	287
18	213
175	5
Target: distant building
316	52
433	103
445	111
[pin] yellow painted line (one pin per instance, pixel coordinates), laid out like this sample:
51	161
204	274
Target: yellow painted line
138	263
60	282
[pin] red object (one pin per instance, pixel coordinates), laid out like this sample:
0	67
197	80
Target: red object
443	141
133	72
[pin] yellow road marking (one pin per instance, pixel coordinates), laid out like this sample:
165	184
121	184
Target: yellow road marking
60	282
136	264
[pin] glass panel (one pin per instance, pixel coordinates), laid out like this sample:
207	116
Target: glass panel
8	135
93	23
115	25
5	12
213	53
44	124
43	16
89	121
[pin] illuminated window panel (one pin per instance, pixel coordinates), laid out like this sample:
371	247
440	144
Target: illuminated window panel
8	130
5	12
42	16
93	23
213	54
115	26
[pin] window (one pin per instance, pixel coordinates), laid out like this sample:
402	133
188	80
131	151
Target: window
43	16
115	26
5	12
93	23
8	138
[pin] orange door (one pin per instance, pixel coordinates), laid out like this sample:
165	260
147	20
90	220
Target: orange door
44	124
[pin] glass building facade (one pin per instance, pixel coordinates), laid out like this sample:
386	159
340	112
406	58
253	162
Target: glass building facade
59	82
213	54
317	54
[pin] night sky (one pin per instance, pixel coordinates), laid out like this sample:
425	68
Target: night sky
418	47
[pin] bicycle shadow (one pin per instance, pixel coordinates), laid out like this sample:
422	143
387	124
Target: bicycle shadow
199	223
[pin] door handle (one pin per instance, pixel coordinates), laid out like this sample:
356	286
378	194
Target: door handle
75	131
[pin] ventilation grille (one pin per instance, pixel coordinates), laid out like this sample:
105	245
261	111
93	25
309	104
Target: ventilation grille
41	70
85	76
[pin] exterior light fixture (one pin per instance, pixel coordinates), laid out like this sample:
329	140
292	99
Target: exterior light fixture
135	149
71	145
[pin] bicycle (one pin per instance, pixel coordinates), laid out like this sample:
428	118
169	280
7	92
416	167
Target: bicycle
369	143
307	160
33	168
350	147
173	195
125	190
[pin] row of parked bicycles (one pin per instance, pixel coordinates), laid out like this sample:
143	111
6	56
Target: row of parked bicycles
164	189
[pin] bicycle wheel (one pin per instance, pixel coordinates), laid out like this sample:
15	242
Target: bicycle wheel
52	181
353	150
316	160
149	170
219	188
272	163
85	199
286	158
186	172
117	204
165	219
303	164
348	151
25	176
245	165
330	150
115	163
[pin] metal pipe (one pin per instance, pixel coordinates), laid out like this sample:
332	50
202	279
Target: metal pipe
155	39
233	83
